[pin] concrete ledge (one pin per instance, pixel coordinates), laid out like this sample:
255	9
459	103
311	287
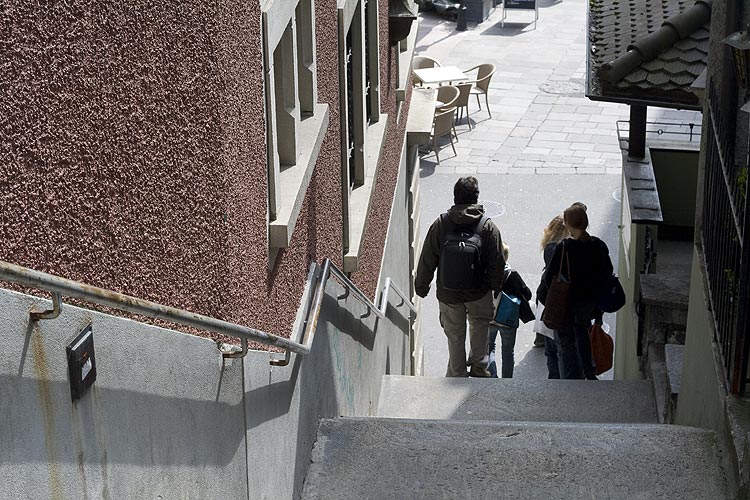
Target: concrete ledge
421	115
295	179
405	58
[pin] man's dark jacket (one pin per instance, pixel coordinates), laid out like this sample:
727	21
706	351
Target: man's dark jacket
492	257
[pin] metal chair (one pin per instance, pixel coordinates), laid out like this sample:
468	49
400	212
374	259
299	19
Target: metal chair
462	103
447	96
482	83
442	125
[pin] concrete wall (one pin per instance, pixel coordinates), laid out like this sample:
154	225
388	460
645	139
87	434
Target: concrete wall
164	419
630	262
341	376
676	175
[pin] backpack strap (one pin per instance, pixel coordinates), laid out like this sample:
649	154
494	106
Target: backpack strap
445	220
478	228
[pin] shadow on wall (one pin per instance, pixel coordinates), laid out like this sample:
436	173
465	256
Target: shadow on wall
113	426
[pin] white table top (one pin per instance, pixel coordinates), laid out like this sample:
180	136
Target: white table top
440	74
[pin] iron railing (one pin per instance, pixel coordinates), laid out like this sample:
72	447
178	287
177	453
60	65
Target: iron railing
724	236
304	326
671	131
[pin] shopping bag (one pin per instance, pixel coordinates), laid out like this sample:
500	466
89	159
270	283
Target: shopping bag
602	349
506	313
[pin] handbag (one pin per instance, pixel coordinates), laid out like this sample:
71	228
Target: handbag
602	349
557	313
611	296
506	313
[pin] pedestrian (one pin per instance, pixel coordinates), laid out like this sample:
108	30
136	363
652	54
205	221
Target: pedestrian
463	244
514	285
586	260
551	236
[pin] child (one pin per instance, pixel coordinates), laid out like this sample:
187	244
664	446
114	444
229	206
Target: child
513	285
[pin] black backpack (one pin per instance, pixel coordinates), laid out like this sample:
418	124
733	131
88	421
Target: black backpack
460	267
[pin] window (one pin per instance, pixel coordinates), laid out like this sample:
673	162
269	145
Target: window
295	121
362	127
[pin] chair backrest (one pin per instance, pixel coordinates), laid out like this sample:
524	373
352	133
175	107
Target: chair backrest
484	74
447	94
443	122
420	62
464	91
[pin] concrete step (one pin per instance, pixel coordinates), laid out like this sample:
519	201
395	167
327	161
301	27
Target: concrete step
517	399
394	459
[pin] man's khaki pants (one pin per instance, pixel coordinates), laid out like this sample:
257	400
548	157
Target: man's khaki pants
453	319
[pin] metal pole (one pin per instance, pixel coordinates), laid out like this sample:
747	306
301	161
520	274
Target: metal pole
461	19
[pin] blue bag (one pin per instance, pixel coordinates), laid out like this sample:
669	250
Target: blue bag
611	296
507	310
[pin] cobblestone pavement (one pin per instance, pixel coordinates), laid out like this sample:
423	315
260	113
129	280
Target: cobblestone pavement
541	123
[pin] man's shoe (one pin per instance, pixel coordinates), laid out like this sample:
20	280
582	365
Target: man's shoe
479	372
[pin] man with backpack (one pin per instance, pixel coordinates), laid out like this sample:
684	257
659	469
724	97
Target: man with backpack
464	245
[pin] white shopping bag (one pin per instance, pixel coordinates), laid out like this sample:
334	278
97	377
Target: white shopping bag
539	326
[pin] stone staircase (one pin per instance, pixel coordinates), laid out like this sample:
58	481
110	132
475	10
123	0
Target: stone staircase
511	438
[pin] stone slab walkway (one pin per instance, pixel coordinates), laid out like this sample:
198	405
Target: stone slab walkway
541	123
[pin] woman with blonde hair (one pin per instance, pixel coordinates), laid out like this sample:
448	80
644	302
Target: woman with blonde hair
551	236
586	261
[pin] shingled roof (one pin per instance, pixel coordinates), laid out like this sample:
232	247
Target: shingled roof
647	51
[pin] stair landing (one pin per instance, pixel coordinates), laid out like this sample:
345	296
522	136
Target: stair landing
625	401
389	459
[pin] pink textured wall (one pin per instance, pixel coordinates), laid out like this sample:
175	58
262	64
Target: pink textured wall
133	155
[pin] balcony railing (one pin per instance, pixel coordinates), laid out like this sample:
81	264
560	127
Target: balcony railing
724	236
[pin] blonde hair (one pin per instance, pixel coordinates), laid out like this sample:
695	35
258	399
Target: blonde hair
555	231
506	251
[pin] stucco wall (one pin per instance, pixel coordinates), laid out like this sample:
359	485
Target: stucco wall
133	146
164	419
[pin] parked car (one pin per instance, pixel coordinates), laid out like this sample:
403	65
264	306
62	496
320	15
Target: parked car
446	8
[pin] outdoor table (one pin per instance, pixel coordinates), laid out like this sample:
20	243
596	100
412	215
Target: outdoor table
440	74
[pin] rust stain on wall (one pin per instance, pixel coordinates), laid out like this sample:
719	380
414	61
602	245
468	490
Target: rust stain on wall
41	370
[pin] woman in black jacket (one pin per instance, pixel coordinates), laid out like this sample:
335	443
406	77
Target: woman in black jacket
586	261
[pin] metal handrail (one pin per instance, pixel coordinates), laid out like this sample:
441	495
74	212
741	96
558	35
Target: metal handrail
390	285
306	322
88	293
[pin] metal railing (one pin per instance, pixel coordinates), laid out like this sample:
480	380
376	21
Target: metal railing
305	324
725	238
665	130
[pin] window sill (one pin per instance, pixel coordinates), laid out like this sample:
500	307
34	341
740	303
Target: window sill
295	179
404	63
359	201
421	116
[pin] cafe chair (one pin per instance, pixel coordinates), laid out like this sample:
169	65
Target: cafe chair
421	62
447	96
482	83
442	125
462	102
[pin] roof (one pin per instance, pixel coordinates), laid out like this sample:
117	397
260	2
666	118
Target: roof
648	51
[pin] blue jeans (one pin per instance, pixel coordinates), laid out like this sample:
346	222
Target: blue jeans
574	350
553	363
507	343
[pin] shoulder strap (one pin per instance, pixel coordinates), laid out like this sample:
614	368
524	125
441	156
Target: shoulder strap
444	220
480	225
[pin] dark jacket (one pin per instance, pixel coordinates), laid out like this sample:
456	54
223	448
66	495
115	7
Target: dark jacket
492	257
589	263
514	285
